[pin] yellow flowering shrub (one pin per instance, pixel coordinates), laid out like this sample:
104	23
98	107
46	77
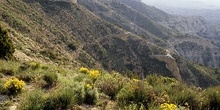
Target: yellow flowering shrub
94	74
84	70
166	106
33	64
135	80
13	85
88	86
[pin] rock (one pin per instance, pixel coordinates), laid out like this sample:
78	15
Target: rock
170	64
3	98
12	107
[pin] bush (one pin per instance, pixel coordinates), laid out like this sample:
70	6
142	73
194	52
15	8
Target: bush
32	65
91	94
35	65
155	80
8	72
27	77
134	107
94	74
80	77
2	89
33	101
79	94
50	78
84	70
72	46
181	95
14	86
212	98
62	100
50	54
6	47
109	85
166	106
135	92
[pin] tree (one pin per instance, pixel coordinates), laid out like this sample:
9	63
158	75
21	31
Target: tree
6	47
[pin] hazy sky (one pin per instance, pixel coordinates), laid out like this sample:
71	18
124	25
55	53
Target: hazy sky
185	3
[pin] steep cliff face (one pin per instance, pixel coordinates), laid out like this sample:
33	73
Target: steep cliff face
171	65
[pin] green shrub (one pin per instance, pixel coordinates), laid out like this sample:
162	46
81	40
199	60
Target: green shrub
50	54
34	100
62	100
50	78
6	47
2	89
155	80
183	94
27	77
125	96
79	93
24	66
80	77
211	98
8	72
91	95
1	75
35	65
135	92
32	65
109	85
134	107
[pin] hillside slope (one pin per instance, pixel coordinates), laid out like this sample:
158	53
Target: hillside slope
57	26
69	35
161	28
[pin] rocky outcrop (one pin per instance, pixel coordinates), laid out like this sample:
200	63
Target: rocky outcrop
198	50
171	65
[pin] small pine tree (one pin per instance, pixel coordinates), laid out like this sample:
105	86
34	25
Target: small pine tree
6	47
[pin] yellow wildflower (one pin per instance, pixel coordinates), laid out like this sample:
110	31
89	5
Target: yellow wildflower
135	80
13	85
33	64
89	86
84	70
166	106
94	74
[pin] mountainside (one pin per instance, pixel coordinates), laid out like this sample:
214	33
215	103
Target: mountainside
68	34
190	27
104	55
211	29
193	28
